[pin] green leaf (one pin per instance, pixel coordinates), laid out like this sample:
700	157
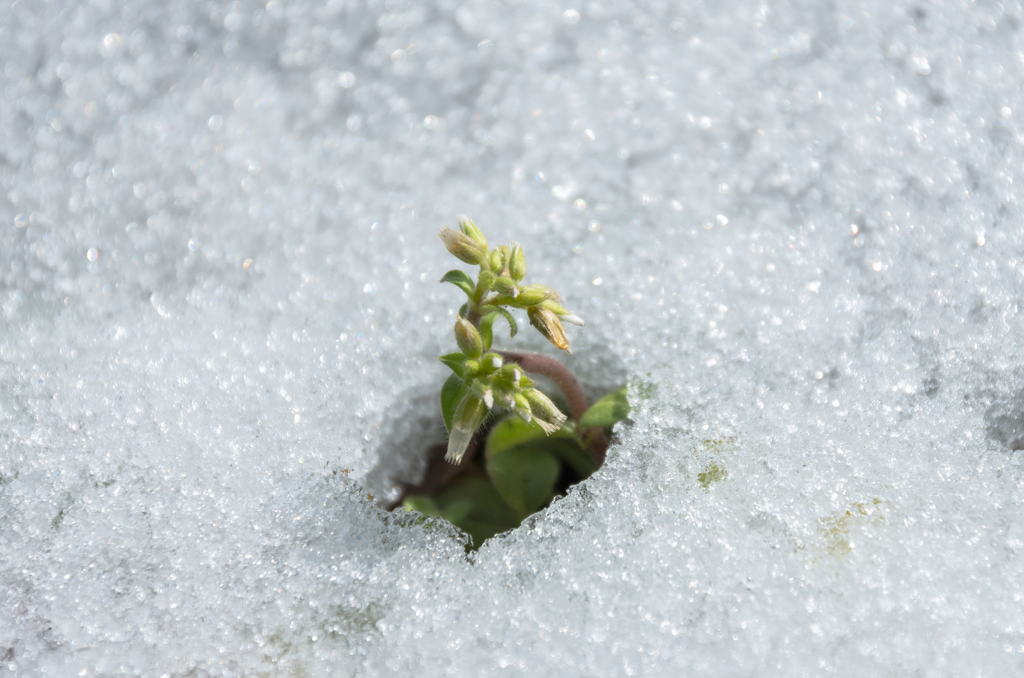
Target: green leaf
452	393
461	280
514	431
571	454
455	361
562	444
612	408
424	505
491	314
525	477
486	331
473	504
512	326
457	512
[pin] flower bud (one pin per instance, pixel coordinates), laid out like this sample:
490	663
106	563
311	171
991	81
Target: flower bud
522	407
483	391
463	246
572	319
495	261
531	295
472	230
507	379
517	262
504	397
552	305
468	415
485	282
563	313
469	339
544	412
492	361
506	286
548	324
510	373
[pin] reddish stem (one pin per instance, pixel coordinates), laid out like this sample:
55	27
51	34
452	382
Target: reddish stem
593	436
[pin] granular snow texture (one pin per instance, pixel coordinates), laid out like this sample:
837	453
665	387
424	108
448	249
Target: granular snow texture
794	228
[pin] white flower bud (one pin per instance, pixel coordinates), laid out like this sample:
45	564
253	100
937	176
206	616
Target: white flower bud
468	415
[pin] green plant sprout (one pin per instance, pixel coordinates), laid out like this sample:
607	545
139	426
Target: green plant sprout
533	450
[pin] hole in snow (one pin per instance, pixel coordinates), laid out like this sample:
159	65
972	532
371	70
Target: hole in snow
411	469
1004	421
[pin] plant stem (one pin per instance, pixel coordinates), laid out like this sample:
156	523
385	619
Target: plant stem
593	436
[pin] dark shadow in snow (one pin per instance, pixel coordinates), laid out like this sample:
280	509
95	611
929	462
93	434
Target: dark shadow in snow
1004	421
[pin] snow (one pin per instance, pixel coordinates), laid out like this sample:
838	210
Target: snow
794	228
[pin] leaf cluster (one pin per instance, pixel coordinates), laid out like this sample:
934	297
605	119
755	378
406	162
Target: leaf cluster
521	471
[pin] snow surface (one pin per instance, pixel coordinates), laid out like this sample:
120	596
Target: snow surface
794	227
